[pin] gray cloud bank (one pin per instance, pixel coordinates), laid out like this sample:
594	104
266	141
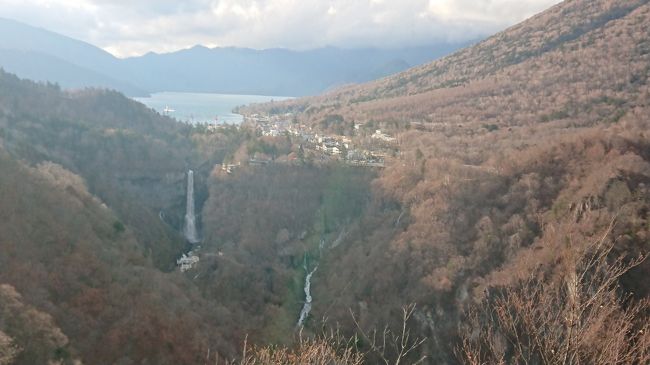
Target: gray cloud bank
133	27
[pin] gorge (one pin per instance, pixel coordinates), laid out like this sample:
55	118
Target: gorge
514	183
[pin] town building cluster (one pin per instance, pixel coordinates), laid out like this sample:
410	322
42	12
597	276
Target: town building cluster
357	151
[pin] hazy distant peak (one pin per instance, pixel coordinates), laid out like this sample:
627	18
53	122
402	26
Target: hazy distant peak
236	70
17	35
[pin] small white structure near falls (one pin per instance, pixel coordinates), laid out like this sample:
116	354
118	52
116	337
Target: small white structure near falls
187	262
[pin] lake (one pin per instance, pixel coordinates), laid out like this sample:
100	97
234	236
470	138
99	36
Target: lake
203	107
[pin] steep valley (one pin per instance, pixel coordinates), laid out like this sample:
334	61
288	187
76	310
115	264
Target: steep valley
516	181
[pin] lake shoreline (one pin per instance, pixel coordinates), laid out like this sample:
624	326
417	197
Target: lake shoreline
203	108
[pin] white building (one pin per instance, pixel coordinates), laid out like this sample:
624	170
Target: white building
382	136
187	262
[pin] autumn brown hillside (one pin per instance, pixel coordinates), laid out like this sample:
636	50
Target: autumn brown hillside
513	154
515	162
576	62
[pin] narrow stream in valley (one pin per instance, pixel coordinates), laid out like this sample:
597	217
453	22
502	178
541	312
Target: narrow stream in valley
306	308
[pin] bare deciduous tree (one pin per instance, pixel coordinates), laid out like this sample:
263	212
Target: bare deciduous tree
581	319
393	347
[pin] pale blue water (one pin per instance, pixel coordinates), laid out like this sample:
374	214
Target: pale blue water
203	108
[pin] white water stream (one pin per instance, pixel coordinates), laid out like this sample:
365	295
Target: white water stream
190	218
306	308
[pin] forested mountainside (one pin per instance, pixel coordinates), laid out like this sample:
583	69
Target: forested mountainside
77	283
93	194
512	156
512	211
96	134
570	62
92	191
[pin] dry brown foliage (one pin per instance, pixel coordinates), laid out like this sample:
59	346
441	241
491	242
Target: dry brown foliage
394	347
8	350
35	337
581	319
323	351
544	123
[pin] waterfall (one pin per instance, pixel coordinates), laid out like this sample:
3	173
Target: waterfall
306	308
190	218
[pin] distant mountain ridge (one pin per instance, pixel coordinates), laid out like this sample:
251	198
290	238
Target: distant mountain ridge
42	55
41	66
270	71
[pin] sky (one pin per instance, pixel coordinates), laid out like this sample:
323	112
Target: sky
133	27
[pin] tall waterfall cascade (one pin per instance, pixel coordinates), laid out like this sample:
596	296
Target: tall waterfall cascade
190	217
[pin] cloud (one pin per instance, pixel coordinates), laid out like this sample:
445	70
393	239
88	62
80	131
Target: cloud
132	27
